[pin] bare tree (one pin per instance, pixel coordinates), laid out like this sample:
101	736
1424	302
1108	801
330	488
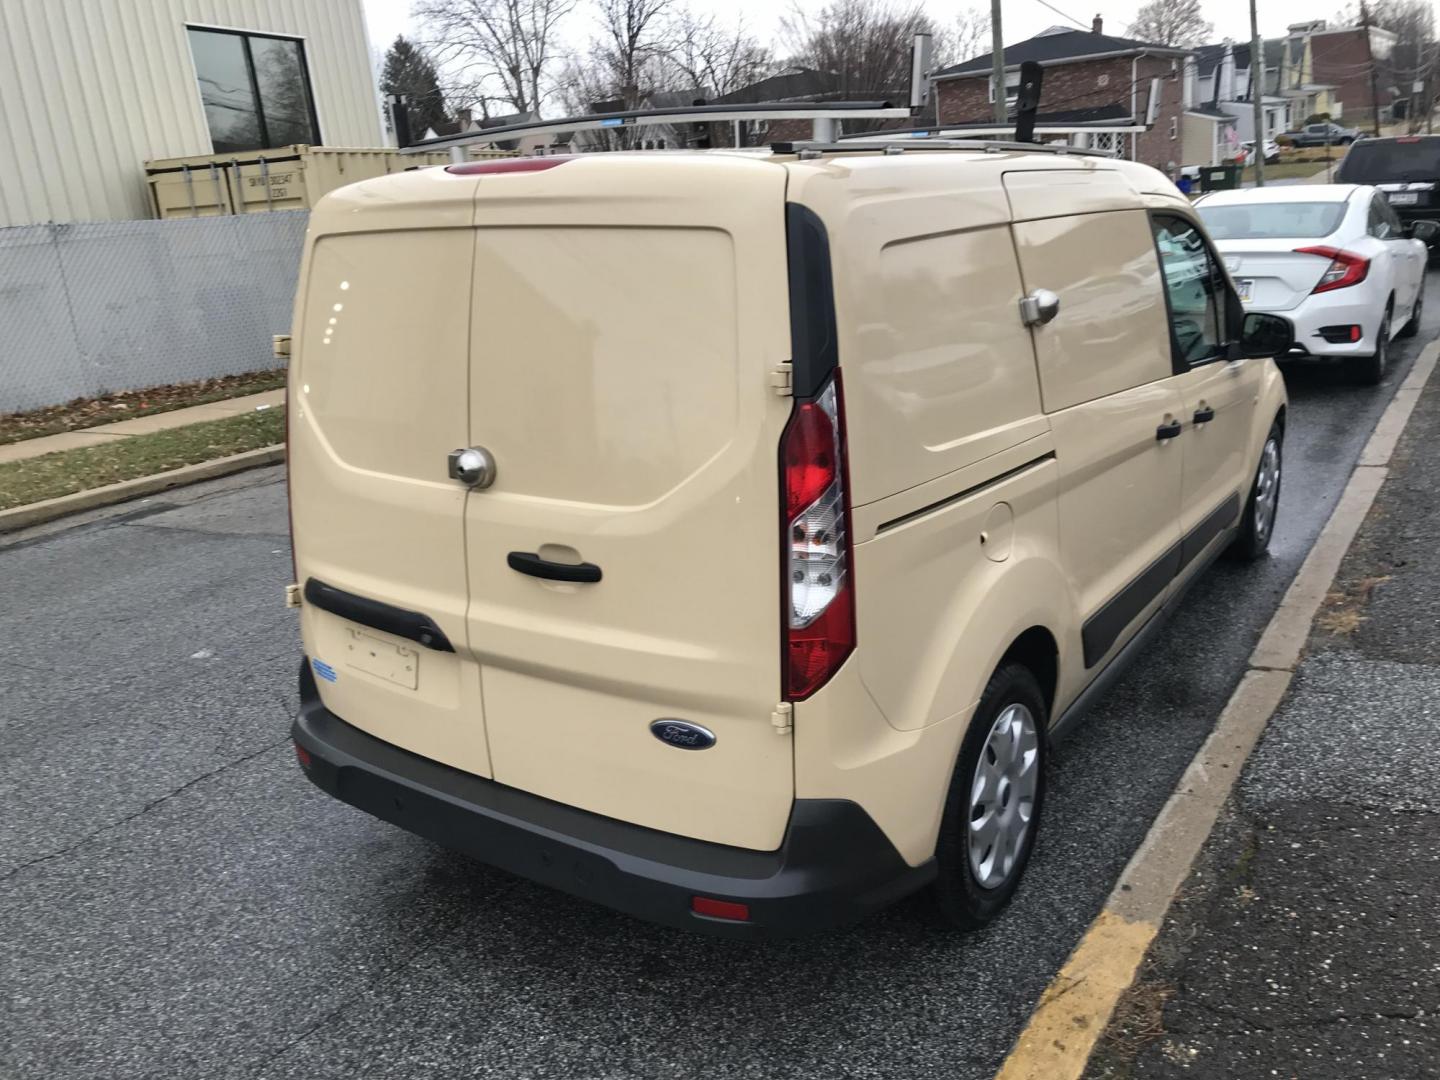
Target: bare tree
1178	23
630	47
964	39
707	54
502	48
865	44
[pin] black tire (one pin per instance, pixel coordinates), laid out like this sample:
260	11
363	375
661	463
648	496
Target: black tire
1370	370
1412	324
960	899
1252	540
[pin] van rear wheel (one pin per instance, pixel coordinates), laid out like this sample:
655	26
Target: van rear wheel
993	807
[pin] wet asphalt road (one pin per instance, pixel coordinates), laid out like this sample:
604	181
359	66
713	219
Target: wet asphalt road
177	901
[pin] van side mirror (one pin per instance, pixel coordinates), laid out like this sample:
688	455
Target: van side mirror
1424	230
1262	334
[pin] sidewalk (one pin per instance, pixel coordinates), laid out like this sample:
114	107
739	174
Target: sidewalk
1306	942
141	425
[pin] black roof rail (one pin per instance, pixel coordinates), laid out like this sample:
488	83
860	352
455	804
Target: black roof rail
679	114
896	146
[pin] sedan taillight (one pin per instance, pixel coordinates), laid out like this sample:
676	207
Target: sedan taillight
819	592
1345	269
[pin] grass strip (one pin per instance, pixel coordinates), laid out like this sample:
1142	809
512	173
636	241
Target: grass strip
128	404
68	471
1287	170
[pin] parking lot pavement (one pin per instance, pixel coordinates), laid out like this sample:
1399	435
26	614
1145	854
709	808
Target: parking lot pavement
178	901
1305	943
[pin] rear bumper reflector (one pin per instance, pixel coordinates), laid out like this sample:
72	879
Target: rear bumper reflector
832	868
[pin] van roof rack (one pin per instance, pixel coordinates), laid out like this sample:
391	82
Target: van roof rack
879	144
823	112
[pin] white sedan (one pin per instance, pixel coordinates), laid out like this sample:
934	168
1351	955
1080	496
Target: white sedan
1332	258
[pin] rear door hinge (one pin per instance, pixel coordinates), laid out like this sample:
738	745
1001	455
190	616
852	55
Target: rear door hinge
280	345
780	719
781	379
292	595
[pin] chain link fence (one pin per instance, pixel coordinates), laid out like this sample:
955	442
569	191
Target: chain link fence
96	307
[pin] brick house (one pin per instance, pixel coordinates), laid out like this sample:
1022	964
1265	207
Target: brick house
1091	78
1342	59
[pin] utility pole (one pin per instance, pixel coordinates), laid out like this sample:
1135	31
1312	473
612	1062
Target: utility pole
1257	93
1370	51
997	63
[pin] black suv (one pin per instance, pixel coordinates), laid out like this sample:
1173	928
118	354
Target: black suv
1406	168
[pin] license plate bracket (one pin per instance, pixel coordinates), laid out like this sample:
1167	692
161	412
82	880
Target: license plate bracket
383	659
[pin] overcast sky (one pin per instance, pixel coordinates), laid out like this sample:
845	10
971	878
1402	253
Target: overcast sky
1021	18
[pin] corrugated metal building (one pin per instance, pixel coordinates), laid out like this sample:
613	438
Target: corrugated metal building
94	88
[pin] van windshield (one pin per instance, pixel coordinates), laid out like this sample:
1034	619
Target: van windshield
1391	160
1272	221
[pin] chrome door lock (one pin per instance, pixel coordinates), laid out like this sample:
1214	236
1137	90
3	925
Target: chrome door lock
473	466
1039	307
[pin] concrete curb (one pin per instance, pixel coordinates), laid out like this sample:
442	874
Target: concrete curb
1076	1007
22	516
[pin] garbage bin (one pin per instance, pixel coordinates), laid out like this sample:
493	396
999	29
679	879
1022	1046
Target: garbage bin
1220	177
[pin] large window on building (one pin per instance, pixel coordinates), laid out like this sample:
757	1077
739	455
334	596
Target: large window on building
255	89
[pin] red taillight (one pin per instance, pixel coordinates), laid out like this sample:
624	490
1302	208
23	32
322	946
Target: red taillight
819	590
720	909
302	755
1345	269
809	456
508	165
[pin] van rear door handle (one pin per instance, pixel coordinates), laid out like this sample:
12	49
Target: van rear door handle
1169	431
527	562
1205	415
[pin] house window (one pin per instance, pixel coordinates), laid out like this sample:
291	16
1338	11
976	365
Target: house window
1012	87
255	90
1174	127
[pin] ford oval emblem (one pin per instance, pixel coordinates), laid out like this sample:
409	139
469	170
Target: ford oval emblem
682	733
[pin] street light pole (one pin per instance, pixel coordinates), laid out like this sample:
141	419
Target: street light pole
1257	94
997	63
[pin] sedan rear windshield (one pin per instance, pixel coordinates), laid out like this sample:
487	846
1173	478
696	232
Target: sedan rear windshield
1390	161
1272	221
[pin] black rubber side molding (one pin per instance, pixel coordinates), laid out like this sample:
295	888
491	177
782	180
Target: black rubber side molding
372	613
527	562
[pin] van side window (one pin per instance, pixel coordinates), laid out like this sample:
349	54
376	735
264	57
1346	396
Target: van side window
1195	289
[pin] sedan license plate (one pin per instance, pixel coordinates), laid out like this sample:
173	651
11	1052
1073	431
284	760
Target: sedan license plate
393	663
1403	198
1244	287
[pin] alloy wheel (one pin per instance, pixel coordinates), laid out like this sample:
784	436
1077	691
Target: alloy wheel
1002	796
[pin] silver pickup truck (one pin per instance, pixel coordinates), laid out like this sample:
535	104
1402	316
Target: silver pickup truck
1322	134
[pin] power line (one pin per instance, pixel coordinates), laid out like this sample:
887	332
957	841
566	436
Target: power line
1062	14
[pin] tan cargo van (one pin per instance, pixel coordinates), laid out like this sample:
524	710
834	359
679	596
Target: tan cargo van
724	537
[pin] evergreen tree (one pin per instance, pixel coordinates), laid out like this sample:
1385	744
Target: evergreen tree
410	72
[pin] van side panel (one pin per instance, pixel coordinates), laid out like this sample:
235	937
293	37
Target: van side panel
957	548
939	372
376	400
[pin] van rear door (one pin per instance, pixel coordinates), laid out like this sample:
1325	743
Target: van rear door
627	314
377	400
